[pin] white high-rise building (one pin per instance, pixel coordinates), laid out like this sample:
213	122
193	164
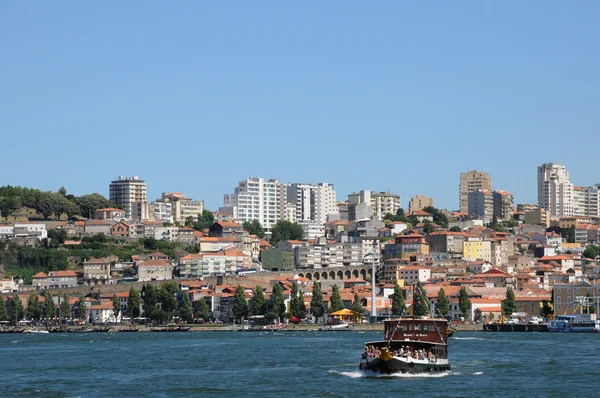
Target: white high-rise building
125	191
555	191
313	202
256	199
586	201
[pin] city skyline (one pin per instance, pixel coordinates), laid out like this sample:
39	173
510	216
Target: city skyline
297	95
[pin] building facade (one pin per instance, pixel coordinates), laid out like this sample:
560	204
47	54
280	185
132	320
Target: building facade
419	202
481	204
256	199
555	190
503	205
367	204
312	202
125	191
470	181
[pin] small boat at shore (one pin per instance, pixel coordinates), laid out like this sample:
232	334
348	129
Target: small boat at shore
80	330
131	330
575	323
171	329
409	345
102	330
36	331
11	330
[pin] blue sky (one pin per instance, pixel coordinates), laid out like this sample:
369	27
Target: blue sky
196	96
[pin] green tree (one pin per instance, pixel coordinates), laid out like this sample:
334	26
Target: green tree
428	228
547	308
186	311
464	303
259	304
301	306
357	305
443	305
88	204
17	309
3	309
571	234
336	301
398	304
455	229
202	310
240	305
294	303
438	216
65	307
150	299
254	228
133	304
509	304
33	307
317	308
171	287
116	302
205	221
286	230
591	252
278	300
421	307
81	309
168	302
49	306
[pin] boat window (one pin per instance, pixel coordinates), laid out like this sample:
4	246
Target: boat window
417	327
410	327
425	328
402	328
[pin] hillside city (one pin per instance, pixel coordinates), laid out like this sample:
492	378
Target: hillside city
295	251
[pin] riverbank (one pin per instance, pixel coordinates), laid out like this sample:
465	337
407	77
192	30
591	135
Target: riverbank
364	327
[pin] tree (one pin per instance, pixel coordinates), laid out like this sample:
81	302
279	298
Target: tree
116	306
571	234
81	308
17	309
464	303
259	304
186	311
150	300
301	306
591	252
3	309
202	310
398	304
443	305
547	308
240	305
254	228
509	304
277	300
168	302
316	303
65	307
133	304
88	204
294	304
357	305
286	230
205	220
455	228
49	306
428	228
420	304
33	307
172	287
438	216
336	301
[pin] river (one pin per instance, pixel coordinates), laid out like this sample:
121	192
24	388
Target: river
288	364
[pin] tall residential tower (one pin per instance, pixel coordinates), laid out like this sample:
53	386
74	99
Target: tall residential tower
555	191
125	191
472	181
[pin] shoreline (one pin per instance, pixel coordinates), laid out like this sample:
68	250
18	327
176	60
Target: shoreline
195	328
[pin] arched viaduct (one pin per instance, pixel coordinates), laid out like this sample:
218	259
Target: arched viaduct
337	273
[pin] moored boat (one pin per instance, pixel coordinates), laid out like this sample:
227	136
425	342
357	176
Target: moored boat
80	330
575	323
409	345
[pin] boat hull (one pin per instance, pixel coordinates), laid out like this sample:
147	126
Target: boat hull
399	366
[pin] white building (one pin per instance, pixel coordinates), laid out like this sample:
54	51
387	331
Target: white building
30	230
555	191
6	231
256	199
586	201
381	203
153	211
312	202
312	230
125	191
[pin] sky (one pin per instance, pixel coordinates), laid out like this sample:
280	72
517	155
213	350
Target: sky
196	96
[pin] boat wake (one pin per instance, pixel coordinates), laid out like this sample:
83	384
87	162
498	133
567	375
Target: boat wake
357	374
477	373
467	338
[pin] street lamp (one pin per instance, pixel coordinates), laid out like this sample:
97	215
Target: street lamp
373	306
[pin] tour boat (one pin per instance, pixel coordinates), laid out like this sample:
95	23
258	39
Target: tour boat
575	323
409	345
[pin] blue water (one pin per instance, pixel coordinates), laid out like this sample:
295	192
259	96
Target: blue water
289	364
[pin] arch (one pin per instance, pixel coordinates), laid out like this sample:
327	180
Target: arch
340	275
355	273
301	275
347	274
332	275
363	274
317	276
324	275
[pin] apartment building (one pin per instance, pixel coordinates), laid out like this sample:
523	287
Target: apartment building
470	181
182	207
125	191
481	204
313	203
419	202
503	205
555	190
380	204
256	199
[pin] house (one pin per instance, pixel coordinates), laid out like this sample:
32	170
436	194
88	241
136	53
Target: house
155	270
96	271
112	214
94	227
186	235
225	229
421	215
413	274
216	244
446	242
479	267
9	285
61	279
405	246
121	229
39	281
101	313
